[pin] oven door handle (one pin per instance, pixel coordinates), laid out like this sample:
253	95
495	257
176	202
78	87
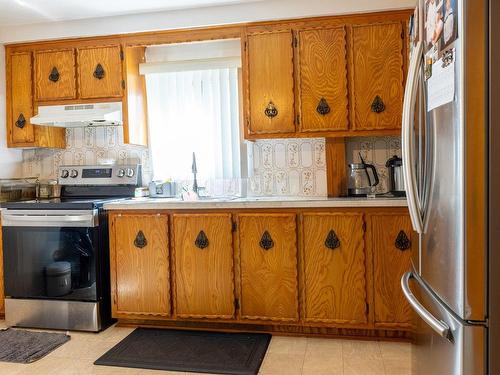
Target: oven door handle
82	220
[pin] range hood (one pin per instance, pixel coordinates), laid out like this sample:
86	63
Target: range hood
78	115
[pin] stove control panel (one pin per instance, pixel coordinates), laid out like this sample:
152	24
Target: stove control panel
100	175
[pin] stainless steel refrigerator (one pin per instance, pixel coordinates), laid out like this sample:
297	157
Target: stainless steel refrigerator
451	160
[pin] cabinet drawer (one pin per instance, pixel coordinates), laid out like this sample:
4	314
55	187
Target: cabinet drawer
377	72
55	75
20	129
391	238
334	268
268	256
323	80
204	267
100	72
140	259
270	83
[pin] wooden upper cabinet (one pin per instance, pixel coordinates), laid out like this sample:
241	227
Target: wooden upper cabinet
377	76
323	79
268	263
334	268
20	130
55	75
135	115
100	72
203	266
391	240
270	85
140	265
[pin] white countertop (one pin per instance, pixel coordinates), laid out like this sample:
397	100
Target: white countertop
251	202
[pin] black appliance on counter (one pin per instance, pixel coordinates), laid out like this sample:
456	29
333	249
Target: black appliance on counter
56	251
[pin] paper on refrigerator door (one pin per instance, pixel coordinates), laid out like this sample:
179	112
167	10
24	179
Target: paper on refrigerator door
441	85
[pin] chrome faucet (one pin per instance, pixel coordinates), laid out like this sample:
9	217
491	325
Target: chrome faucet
194	170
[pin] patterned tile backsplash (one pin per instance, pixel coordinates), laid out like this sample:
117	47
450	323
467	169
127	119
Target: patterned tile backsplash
86	146
376	151
287	167
297	167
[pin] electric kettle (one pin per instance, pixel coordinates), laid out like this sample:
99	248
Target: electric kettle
360	183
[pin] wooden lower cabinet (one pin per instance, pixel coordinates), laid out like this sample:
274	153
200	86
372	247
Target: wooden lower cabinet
334	268
268	266
391	237
303	271
203	266
140	274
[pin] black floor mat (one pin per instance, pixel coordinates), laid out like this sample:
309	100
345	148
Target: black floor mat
192	351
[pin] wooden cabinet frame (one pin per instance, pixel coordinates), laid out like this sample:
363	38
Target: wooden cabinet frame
302	325
55	138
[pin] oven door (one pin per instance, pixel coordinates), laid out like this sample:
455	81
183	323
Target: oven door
50	254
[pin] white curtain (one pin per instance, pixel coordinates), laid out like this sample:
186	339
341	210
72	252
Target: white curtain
194	111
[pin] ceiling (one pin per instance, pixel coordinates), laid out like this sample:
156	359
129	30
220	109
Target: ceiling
24	12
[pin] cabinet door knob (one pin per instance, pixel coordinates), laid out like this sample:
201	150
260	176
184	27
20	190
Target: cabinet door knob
54	75
378	105
402	241
266	242
140	240
332	241
201	241
99	72
21	121
271	110
323	108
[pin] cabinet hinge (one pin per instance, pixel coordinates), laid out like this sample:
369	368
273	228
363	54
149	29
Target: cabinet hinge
234	226
122	56
402	34
295	41
364	227
123	84
245	46
236	303
298	120
367	308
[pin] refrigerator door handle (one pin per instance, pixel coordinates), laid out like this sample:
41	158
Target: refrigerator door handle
408	152
437	325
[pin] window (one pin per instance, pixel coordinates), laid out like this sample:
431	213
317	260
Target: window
194	107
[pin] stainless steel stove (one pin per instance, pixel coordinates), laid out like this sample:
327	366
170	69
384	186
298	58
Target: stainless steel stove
56	251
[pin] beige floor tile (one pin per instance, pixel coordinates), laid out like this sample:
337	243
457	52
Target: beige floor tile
323	356
361	349
395	350
288	345
397	367
363	366
11	368
79	348
282	364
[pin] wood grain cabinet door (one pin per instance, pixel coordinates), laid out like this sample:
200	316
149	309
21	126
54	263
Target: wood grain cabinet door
204	266
268	263
391	239
55	75
20	130
323	80
100	72
334	268
140	265
270	87
377	72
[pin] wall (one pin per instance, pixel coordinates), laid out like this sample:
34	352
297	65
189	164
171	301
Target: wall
10	159
200	16
297	167
86	146
376	151
287	167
